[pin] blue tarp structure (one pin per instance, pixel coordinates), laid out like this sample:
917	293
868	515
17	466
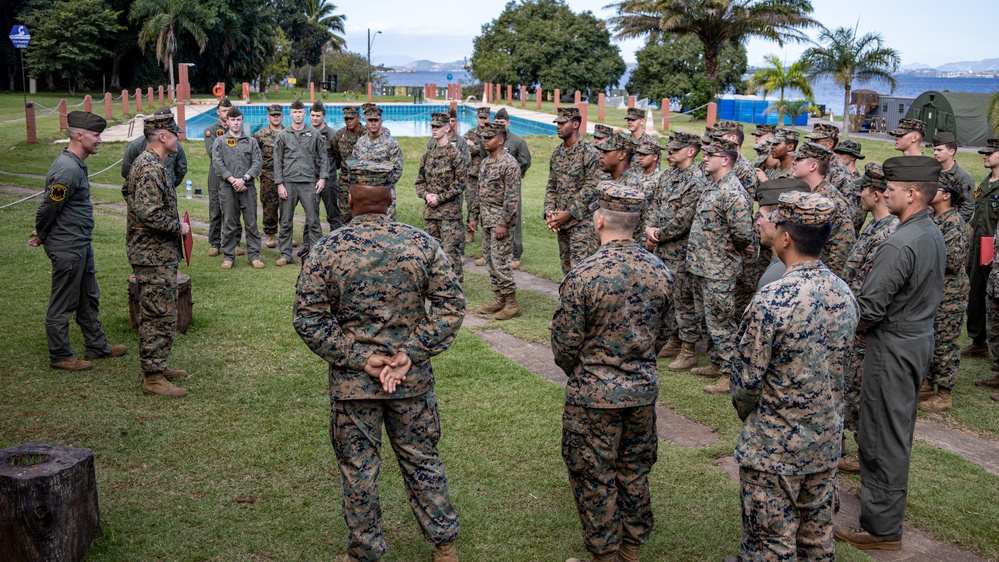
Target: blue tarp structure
753	109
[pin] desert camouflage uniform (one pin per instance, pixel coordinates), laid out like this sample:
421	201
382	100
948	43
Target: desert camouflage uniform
609	325
499	199
573	175
442	171
722	228
362	291
212	132
241	157
343	146
476	156
746	172
841	241
672	214
269	200
153	245
947	323
384	149
787	388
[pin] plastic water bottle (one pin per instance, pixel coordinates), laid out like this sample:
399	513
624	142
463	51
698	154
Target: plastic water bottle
188	188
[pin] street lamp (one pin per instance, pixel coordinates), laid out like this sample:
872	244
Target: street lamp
371	41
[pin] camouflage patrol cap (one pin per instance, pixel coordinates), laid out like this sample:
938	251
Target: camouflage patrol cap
953	185
906	126
763	147
451	113
165	110
368	172
158	122
812	150
490	130
274	109
786	135
649	147
502	114
849	147
874	177
682	140
618	141
823	131
944	137
567	114
224	102
725	126
992	145
769	192
318	107
634	113
614	196
233	112
709	133
912	169
297	104
482	112
764	130
802	208
601	131
350	111
438	119
371	110
719	144
86	120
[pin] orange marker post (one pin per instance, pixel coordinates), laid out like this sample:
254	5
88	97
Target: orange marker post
601	99
107	105
181	120
88	103
159	93
149	97
584	111
665	108
558	96
369	91
577	98
509	94
631	102
712	114
124	102
63	126
538	94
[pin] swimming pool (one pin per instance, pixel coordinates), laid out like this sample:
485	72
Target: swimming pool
401	120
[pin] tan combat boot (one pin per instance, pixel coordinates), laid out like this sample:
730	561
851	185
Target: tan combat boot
170	374
627	553
939	403
612	557
511	309
480	261
445	552
721	386
515	264
157	384
685	360
493	307
712	371
469	237
271	241
672	347
927	391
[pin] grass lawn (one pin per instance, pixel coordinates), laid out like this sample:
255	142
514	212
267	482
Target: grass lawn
255	425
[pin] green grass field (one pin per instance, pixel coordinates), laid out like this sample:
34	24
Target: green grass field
255	424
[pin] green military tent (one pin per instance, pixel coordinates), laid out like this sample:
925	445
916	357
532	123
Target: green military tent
962	113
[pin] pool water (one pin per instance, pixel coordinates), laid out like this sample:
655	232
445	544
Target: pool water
401	120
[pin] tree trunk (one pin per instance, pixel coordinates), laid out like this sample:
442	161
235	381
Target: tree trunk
846	108
116	73
173	87
711	69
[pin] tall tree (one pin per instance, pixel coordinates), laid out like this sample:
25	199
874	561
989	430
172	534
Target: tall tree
775	76
714	23
544	42
844	57
163	20
321	12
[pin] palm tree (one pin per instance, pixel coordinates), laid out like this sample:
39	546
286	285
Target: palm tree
844	57
714	23
320	12
777	77
162	21
791	108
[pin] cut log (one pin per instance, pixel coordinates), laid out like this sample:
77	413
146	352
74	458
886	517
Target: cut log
185	304
48	503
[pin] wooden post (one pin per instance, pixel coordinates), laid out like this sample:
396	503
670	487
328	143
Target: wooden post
665	108
557	97
124	102
577	98
312	93
523	96
169	93
454	105
509	94
538	94
712	114
107	105
584	112
631	102
138	100
88	103
181	120
369	91
149	97
63	126
601	100
29	119
498	98
159	92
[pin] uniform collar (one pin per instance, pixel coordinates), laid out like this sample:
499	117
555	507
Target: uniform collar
808	264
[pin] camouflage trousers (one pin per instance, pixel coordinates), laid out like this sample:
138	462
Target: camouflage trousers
609	454
575	244
74	292
413	429
471	196
745	283
498	255
329	201
787	518
946	329
214	210
157	286
451	235
714	301
852	381
342	191
269	202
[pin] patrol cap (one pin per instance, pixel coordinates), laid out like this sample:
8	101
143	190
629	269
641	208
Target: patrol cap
719	144
764	130
802	208
950	183
823	131
275	109
762	147
682	140
769	192
368	172
944	137
234	112
726	126
86	120
874	177
912	168
158	122
567	114
786	135
649	147
165	110
224	102
502	114
614	196
849	147
438	119
451	113
601	131
906	126
371	110
992	145
350	111
617	141
634	113
297	104
318	107
482	112
812	150
490	130
709	133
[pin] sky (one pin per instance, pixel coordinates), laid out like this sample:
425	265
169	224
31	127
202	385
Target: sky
443	30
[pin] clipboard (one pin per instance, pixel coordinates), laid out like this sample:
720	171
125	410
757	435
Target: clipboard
189	239
986	250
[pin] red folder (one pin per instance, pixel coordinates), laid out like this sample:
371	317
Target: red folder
986	251
189	240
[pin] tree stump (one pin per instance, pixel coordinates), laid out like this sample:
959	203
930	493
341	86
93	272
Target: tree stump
48	503
185	305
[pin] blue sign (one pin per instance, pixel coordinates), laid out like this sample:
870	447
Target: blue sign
449	77
19	36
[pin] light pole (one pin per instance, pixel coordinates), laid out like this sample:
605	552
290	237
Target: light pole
370	42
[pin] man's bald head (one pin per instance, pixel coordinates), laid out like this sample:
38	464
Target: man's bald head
365	199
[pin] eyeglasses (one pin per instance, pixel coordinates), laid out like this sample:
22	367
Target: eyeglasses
373	120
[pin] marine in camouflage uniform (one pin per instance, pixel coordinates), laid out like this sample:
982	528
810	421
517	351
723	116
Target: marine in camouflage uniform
237	160
852	149
601	133
343	143
477	152
361	295
783	143
176	164
743	168
499	198
442	175
636	125
837	174
837	249
787	388
379	148
610	322
944	148
648	181
213	132
269	201
573	174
